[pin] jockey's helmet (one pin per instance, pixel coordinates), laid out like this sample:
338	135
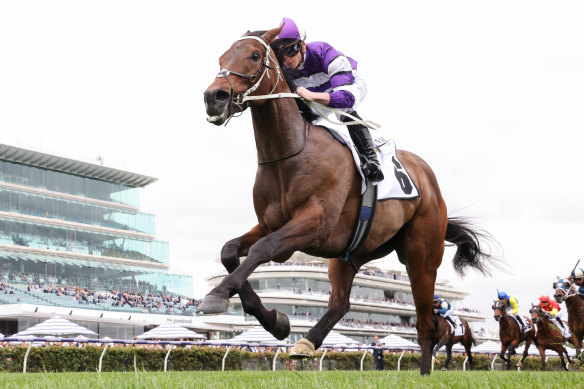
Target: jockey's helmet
289	41
502	295
290	30
544	299
436	298
577	274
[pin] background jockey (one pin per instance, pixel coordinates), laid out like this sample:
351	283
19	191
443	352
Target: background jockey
512	306
578	277
444	309
552	309
324	75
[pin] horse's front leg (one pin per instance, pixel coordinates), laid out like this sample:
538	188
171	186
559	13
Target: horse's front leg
341	276
277	323
542	355
305	229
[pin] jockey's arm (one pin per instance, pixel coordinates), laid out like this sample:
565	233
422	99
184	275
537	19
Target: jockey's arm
319	97
443	308
554	312
514	305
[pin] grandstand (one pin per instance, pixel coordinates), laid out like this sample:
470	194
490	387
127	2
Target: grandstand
73	241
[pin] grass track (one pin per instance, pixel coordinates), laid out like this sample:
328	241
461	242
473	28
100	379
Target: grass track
287	379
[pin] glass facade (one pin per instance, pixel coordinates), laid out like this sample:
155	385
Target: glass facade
77	240
113	228
68	183
94	275
312	286
74	211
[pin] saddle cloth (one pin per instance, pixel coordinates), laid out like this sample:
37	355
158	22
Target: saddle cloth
526	325
565	329
459	330
397	183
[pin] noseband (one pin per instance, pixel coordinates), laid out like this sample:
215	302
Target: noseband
240	99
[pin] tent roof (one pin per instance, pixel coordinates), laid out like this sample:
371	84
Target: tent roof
171	331
336	339
56	326
255	335
397	342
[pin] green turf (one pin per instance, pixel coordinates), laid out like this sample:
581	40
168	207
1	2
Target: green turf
288	379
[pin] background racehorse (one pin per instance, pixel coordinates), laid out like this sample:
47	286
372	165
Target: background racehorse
549	336
575	305
307	198
446	338
511	335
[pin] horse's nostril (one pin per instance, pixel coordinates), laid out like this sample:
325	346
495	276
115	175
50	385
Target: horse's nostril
221	95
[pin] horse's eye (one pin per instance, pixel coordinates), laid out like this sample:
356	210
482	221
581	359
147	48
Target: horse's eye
255	56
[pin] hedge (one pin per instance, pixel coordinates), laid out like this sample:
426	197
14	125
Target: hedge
73	359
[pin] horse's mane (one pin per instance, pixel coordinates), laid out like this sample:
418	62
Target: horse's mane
307	113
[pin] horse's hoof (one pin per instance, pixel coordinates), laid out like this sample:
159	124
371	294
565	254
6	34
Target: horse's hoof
282	327
519	364
304	348
444	369
213	305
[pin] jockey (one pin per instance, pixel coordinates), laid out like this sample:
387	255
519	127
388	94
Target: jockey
577	276
552	309
512	307
324	75
444	309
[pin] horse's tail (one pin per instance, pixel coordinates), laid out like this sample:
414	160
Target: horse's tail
472	338
470	251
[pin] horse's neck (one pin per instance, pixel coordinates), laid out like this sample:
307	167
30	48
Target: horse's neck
508	323
279	129
575	305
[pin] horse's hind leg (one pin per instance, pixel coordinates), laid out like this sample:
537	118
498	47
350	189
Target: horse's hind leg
467	347
421	249
273	321
448	357
341	276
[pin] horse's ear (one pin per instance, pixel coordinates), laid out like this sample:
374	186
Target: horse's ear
554	286
270	35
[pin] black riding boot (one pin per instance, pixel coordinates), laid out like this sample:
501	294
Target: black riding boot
362	139
451	320
520	322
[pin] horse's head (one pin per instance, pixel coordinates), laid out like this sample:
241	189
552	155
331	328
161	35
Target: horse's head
536	313
248	66
562	289
498	309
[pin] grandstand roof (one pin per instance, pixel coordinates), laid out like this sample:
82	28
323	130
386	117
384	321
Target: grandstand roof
66	165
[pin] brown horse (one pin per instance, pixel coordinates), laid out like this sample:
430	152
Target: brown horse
307	198
549	336
511	335
575	305
446	338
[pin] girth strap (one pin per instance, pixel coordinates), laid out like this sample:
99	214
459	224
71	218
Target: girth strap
364	221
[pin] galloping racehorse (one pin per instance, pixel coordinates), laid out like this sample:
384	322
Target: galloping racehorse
575	306
511	335
307	198
446	338
549	336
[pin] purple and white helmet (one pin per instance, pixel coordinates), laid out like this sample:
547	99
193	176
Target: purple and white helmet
290	30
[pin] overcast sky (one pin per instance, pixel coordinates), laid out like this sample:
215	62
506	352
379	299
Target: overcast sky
490	94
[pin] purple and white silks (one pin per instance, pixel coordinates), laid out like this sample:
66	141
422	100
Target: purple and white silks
327	70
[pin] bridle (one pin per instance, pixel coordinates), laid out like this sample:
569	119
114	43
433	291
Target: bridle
568	291
538	311
498	305
254	79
